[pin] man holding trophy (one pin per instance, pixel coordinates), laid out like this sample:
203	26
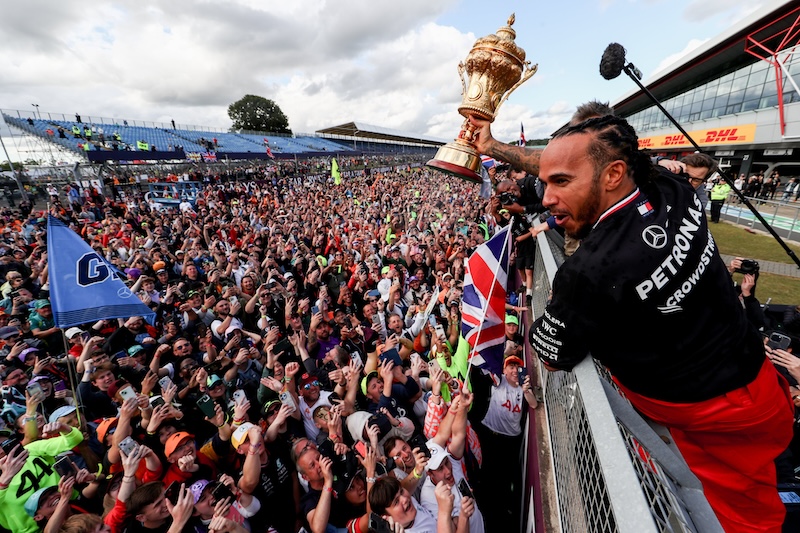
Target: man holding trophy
646	294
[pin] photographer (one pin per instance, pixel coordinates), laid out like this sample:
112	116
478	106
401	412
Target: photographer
749	269
523	198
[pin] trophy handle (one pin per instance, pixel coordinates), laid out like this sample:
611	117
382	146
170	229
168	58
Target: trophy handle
529	71
461	70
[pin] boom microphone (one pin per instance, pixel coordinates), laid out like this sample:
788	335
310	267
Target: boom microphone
613	61
613	64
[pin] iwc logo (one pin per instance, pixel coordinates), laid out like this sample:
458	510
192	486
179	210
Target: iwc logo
654	237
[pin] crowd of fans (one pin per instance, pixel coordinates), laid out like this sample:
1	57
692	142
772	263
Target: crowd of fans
291	378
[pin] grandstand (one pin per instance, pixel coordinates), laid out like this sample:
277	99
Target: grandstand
114	139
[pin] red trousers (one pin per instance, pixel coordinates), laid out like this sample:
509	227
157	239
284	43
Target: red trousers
730	443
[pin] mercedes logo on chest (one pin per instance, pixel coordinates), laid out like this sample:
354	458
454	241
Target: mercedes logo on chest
655	237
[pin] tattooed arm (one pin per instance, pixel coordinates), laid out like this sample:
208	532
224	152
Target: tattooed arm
517	156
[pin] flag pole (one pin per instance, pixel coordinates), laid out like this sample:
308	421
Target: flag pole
73	378
71	371
486	305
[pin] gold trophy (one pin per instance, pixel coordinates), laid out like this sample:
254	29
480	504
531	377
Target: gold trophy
496	66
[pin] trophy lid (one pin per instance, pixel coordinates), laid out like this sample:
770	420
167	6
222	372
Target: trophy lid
504	39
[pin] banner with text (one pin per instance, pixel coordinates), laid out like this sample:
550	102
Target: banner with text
745	133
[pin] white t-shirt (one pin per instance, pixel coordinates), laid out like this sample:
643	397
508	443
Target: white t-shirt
235	322
308	414
424	522
428	497
504	415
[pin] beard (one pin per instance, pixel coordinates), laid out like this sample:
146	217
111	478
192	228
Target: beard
589	213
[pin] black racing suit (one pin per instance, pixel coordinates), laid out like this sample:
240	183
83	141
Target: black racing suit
649	296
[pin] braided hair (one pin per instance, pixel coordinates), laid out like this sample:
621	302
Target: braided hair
614	139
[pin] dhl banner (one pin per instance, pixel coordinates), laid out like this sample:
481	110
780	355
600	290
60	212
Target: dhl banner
730	135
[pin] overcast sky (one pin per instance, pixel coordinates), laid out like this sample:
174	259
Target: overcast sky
326	62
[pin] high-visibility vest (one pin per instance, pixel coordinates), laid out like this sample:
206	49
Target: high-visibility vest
76	130
87	132
720	191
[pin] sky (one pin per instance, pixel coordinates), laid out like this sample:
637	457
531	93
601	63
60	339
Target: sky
327	62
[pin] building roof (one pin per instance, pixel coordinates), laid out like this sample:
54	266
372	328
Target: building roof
715	58
368	131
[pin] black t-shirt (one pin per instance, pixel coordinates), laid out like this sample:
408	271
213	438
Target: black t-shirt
275	489
648	294
341	510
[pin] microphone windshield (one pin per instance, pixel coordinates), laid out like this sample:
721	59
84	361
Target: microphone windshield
613	61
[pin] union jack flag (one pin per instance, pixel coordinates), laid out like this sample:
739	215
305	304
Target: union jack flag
483	304
521	135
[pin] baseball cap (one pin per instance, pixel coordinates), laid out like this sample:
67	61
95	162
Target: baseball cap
438	455
355	424
159	265
307	378
32	505
175	440
269	405
38	304
104	427
26	352
513	360
133	272
136	348
116	386
64	410
8	331
212	380
365	380
197	489
71	332
511	319
240	435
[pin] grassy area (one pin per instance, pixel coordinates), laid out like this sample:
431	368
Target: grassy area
734	240
781	289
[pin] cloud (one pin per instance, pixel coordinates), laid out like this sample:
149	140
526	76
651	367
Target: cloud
320	60
692	45
699	11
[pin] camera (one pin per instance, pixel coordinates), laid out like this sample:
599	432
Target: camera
749	266
507	198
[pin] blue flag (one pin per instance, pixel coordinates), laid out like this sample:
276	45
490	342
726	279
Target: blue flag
84	287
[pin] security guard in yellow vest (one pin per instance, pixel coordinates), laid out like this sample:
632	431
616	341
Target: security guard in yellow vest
719	192
76	131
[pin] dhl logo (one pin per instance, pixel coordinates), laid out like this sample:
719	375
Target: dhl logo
722	135
674	140
646	143
737	134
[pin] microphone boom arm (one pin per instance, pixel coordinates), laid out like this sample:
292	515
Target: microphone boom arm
631	70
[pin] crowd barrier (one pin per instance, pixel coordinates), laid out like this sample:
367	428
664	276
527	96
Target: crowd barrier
593	464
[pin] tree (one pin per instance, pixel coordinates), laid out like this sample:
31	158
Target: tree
256	113
5	166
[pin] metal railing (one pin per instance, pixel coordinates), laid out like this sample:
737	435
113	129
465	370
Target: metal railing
782	215
612	470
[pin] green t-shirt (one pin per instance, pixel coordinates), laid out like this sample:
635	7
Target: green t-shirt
37	473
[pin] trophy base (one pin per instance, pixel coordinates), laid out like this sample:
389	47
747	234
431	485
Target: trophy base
458	159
